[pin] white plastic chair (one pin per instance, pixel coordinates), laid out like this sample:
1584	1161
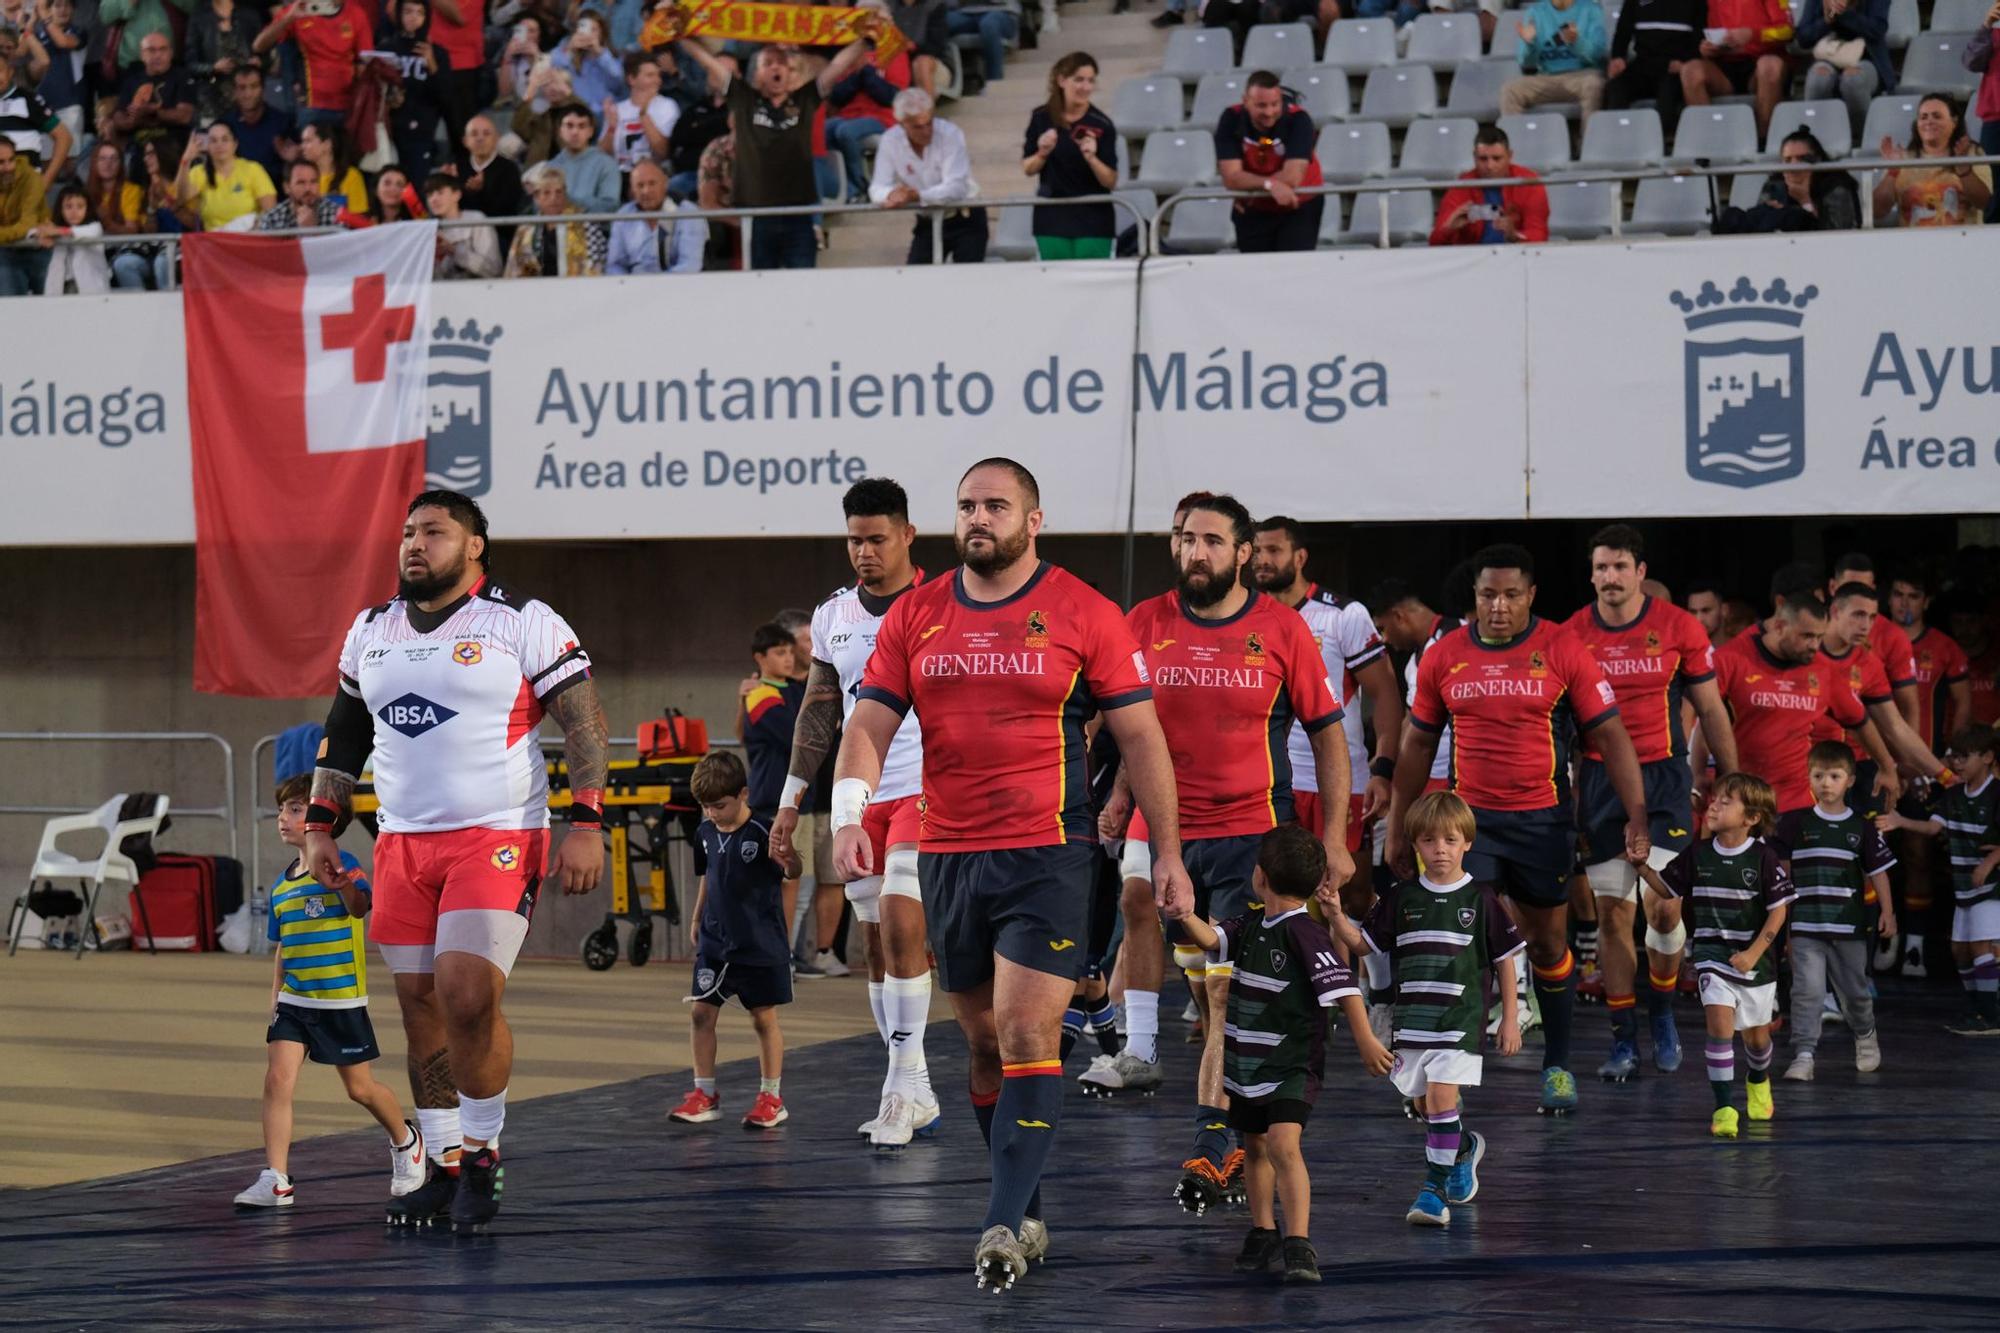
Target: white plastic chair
109	865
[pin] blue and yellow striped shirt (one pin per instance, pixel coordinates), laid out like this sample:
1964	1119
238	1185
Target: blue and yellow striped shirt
323	947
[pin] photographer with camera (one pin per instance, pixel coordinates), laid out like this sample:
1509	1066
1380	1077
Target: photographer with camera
1485	214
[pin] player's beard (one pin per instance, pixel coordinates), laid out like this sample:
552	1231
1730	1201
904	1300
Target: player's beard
996	559
1274	581
1201	597
432	586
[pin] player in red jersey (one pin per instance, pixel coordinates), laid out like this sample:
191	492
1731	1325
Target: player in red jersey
1004	662
1656	657
1972	623
1512	685
1844	648
1943	671
1232	670
1884	637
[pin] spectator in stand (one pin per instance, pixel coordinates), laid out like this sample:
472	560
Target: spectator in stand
927	23
21	211
330	47
466	246
640	128
1978	57
120	206
1933	196
31	57
25	118
923	160
531	134
684	80
325	146
595	76
458	30
303	204
1072	148
716	188
74	270
1266	143
1485	214
1799	200
219	36
771	121
64	83
1238	16
217	188
590	173
492	181
1749	58
418	105
1646	62
994	27
141	19
264	135
555	249
701	124
655	245
156	100
860	110
395	199
1562	54
519	59
1849	42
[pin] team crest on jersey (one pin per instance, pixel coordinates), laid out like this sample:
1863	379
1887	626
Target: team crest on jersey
1652	641
507	858
1466	916
748	852
315	907
1277	960
1038	630
468	652
1812	682
1537	664
704	979
1253	649
413	715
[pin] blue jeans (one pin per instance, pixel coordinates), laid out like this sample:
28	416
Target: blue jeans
1375	9
684	185
133	271
846	137
996	27
22	271
784	242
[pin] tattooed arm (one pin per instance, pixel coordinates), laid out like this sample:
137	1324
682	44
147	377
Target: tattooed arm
579	861
350	734
813	736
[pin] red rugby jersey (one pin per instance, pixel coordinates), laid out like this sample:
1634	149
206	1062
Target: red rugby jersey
1940	663
1649	665
1892	646
1773	706
1984	673
1228	692
1511	707
1003	690
1861	671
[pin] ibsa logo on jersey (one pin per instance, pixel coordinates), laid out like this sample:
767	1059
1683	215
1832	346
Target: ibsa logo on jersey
507	858
458	453
467	653
413	715
1038	630
1744	382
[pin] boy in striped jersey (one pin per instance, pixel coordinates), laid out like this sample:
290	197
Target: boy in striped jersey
1434	938
1287	976
1840	866
1738	892
319	1008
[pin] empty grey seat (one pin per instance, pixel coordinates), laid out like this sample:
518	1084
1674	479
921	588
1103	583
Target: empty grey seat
1216	94
1357	152
1400	95
1200	227
1177	160
1442	40
1360	44
1612	8
1193	52
1476	85
1721	134
1673	205
1827	119
1746	187
1438	149
1330	220
1143	202
1278	46
1618	139
1959	15
1933	65
1507	40
1539	141
1904	23
1013	234
1582	210
1891	115
1144	106
1322	92
1408	211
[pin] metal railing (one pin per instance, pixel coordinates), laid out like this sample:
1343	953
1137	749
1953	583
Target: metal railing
226	812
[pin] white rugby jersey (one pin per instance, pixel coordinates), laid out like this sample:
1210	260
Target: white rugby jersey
456	709
843	636
1347	640
1440	766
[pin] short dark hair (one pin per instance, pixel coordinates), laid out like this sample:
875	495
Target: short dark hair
1262	78
1021	475
1830	754
876	497
568	109
1800	603
1854	562
442	180
292	169
1913	576
1391	593
1709	586
1504	555
1855	588
792	619
636	61
465	511
1292	860
1795	576
719	776
1978	738
298	787
768	636
1455	593
1489	135
1620	537
1230	508
1190	500
1294	533
241	70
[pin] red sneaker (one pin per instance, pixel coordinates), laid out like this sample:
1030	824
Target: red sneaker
768	1113
697	1108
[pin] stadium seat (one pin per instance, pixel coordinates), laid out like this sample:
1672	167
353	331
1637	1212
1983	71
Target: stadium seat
1193	52
1959	15
1396	97
1322	92
1933	65
1442	40
1409	213
1437	149
1582	210
1216	94
1828	120
1276	46
1904	23
1358	45
1745	188
1013	234
1330	221
1200	227
1476	85
1507	41
1620	139
1891	115
1719	134
1145	106
1673	205
1177	160
1612	8
1351	153
1540	142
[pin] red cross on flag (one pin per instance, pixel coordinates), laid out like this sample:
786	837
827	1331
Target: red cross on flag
306	404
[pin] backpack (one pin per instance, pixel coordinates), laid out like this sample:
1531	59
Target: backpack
139	846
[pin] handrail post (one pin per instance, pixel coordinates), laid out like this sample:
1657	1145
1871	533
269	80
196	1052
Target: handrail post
937	236
1868	199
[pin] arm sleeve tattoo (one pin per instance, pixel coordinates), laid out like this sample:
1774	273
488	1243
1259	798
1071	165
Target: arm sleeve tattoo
586	739
819	721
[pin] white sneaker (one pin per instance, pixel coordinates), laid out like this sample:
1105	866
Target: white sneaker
1913	959
1801	1068
271	1191
1868	1053
896	1125
1888	953
1191	1014
830	965
406	1165
868	1126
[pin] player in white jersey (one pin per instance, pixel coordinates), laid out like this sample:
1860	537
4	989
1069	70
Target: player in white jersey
1407	625
447	686
888	906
